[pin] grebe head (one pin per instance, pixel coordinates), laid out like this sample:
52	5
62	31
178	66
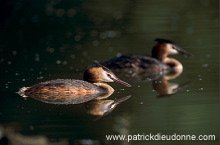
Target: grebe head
100	73
166	47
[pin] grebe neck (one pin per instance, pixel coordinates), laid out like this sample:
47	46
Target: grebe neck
108	90
173	63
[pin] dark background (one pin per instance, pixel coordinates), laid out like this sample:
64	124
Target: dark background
48	39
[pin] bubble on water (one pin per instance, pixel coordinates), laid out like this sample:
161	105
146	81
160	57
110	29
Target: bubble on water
187	90
149	79
205	65
95	43
200	79
9	62
208	56
153	90
39	78
118	54
190	30
64	62
37	57
110	49
17	74
23	80
117	15
14	52
77	38
73	56
58	62
50	50
110	34
60	12
122	89
201	89
139	86
141	103
103	36
94	33
35	19
85	53
78	46
31	127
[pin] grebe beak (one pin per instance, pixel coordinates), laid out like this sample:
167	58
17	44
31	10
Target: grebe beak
118	101
181	51
117	80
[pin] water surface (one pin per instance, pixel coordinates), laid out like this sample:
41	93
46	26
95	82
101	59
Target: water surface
46	40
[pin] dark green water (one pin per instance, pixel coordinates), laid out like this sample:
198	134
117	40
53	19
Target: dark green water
44	40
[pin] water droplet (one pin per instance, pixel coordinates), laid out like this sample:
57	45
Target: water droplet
64	62
95	43
41	77
31	127
73	56
60	12
190	30
50	50
77	38
71	12
205	65
149	79
58	62
85	53
118	54
17	74
14	52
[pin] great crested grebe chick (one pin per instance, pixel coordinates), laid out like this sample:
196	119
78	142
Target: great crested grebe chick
92	84
157	62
